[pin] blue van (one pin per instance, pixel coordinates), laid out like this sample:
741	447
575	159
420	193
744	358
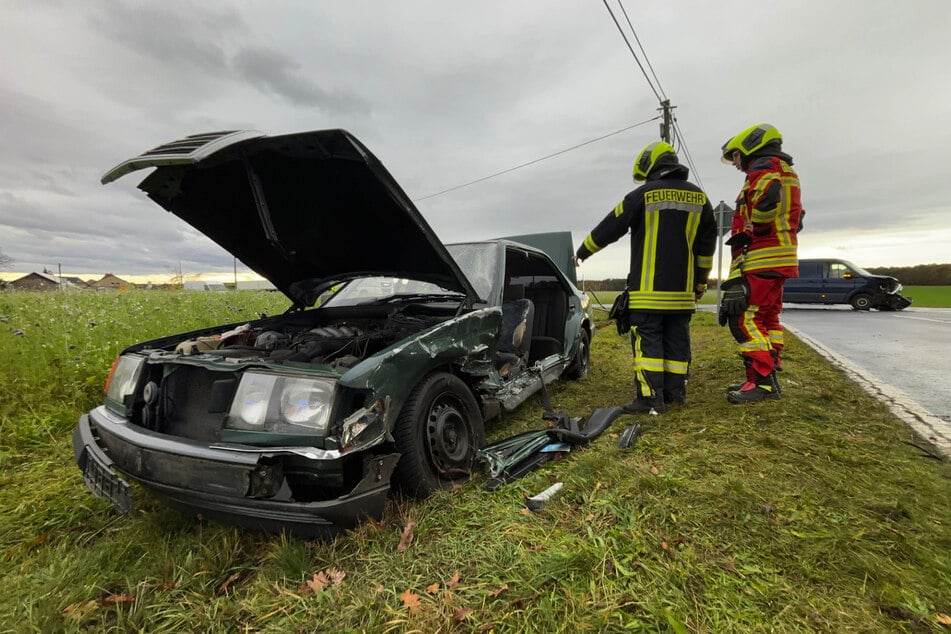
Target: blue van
824	281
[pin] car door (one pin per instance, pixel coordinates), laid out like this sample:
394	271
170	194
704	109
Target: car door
839	282
808	286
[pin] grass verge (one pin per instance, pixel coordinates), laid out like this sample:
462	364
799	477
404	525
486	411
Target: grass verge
809	513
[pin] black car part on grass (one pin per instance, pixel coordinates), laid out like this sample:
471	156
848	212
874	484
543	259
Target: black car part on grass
513	457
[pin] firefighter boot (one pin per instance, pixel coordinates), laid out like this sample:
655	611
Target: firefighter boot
646	405
750	376
762	389
649	400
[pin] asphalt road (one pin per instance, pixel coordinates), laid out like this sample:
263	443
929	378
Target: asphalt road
904	357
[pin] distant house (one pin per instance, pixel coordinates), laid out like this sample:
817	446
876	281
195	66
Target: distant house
75	283
35	282
112	282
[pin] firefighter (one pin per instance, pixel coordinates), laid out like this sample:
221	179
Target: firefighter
763	245
673	237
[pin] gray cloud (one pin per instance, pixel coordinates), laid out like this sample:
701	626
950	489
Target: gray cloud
445	95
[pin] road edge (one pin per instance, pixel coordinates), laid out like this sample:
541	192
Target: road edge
928	426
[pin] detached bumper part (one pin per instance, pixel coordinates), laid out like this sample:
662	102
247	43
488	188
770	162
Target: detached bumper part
140	454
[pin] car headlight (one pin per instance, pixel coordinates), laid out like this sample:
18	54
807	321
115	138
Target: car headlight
122	380
281	404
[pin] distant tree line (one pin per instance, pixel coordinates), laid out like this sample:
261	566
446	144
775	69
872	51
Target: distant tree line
919	275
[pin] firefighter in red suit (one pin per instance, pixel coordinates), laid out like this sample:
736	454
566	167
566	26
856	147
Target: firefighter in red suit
764	245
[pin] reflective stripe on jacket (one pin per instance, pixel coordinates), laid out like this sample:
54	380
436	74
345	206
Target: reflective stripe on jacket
769	210
673	237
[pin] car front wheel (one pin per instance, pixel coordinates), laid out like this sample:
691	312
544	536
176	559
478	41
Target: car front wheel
861	301
437	433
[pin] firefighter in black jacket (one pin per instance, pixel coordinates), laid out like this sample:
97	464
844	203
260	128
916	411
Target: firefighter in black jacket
673	237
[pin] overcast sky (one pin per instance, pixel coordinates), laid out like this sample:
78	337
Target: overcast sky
448	92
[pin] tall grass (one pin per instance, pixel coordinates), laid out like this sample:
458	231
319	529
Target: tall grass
812	513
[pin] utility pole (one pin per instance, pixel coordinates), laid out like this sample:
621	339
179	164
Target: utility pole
665	124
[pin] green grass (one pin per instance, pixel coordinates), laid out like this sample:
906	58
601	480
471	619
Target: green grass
929	296
812	513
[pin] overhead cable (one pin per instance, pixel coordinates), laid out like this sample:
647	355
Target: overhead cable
512	169
631	48
643	52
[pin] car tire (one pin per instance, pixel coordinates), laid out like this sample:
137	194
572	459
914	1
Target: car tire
581	364
437	434
861	301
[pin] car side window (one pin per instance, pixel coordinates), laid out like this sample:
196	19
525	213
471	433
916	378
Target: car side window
839	271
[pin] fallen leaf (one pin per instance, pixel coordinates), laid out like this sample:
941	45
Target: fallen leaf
655	470
589	517
552	478
223	588
79	610
315	584
115	599
334	576
322	579
502	588
432	588
664	545
943	619
453	580
411	600
406	537
461	615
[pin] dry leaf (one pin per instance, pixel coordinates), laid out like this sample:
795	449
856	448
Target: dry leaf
655	470
552	478
664	545
943	619
115	599
410	600
432	588
525	511
589	517
223	588
502	588
453	580
79	610
407	537
334	576
461	615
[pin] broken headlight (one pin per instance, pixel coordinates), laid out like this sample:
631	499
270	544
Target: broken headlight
123	377
281	404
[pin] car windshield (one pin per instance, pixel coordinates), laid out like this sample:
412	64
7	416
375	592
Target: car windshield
856	269
366	290
479	262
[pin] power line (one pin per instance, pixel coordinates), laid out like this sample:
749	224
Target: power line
643	52
664	102
631	48
512	169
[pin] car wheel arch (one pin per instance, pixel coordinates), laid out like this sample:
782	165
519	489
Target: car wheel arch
437	432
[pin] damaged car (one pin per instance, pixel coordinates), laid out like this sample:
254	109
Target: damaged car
393	354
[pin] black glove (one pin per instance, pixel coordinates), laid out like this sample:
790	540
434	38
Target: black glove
740	240
735	299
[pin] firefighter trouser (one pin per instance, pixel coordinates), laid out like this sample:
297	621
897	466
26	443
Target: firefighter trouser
661	343
757	331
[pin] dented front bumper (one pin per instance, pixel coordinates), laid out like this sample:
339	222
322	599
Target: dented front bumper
238	485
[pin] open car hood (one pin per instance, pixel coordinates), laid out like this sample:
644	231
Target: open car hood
305	210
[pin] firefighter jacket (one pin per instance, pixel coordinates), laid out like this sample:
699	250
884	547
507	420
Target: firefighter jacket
673	237
768	215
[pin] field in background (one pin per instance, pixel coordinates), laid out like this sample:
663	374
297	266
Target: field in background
818	512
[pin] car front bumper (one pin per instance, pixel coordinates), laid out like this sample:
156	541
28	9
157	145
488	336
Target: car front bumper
214	482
